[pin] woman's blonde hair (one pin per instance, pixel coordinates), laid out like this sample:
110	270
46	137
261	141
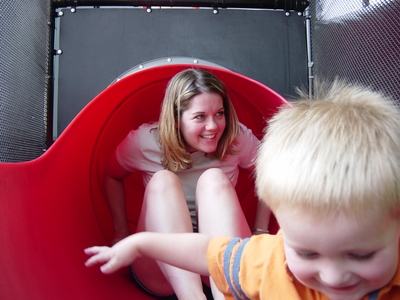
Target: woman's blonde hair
180	90
339	152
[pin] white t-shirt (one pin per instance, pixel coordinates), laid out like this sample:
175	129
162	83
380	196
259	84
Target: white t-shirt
139	151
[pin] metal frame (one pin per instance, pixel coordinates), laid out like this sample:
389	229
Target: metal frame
287	5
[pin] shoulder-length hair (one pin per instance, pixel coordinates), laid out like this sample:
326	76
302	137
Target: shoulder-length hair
180	91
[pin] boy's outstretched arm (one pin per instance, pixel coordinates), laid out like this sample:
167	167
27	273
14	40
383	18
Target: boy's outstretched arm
183	250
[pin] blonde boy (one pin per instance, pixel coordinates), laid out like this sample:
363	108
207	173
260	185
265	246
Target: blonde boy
329	169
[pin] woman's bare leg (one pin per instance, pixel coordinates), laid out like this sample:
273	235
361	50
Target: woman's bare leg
165	210
218	210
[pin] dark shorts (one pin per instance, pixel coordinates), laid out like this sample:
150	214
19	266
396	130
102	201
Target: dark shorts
206	289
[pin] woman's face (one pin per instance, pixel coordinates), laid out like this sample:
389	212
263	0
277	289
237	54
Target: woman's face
203	123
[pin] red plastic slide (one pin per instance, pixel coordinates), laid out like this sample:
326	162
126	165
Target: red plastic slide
53	207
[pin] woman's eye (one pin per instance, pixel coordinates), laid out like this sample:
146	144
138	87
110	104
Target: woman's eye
307	255
199	117
362	257
220	113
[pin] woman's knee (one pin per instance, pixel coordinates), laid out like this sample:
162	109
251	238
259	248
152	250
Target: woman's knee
214	178
164	187
163	179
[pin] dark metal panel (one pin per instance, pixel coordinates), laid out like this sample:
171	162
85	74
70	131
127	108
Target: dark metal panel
100	44
297	5
24	56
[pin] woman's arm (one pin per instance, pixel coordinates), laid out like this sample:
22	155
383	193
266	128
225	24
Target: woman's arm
115	196
251	145
263	215
184	250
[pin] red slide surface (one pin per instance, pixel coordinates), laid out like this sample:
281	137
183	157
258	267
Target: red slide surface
53	207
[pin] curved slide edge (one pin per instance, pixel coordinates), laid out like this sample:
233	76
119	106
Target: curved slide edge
52	208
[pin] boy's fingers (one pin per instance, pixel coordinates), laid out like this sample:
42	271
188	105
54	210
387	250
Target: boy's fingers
113	264
98	258
91	261
105	256
109	267
95	250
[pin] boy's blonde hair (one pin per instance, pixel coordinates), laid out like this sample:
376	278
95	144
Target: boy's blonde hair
180	91
338	152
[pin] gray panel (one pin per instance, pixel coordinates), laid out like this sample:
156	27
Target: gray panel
24	55
358	41
100	44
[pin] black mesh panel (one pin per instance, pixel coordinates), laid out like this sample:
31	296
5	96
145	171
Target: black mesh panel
358	40
24	39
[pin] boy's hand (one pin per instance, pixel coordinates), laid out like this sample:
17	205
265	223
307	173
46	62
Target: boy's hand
120	255
183	250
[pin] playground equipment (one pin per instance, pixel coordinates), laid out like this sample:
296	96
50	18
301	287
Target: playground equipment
53	207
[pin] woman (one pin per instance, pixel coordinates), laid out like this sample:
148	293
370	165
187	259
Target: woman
194	151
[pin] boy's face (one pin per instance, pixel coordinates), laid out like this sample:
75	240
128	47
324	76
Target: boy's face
341	258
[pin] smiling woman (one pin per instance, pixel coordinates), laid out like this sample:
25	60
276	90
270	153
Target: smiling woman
198	140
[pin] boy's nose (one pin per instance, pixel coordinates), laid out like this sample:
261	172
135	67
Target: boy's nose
334	277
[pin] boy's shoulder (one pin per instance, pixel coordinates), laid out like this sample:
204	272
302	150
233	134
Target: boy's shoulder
255	245
251	263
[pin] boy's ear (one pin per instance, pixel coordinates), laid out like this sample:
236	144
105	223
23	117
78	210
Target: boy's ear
396	212
396	216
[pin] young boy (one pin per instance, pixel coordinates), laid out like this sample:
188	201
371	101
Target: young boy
329	169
